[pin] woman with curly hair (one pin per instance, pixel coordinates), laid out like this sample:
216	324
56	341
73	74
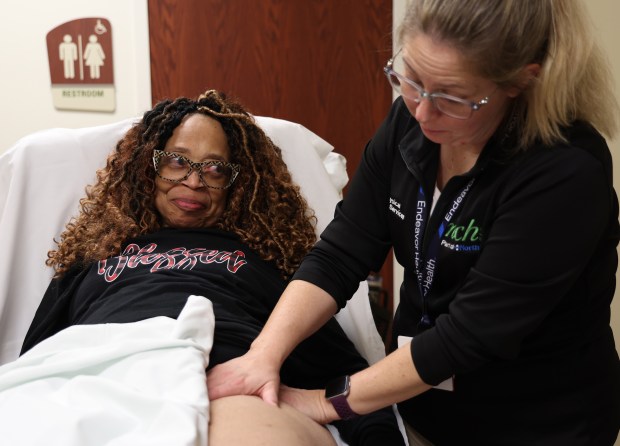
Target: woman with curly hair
262	205
196	200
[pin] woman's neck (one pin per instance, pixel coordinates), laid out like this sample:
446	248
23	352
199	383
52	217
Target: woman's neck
455	161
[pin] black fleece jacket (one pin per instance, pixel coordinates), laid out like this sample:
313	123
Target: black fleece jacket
523	282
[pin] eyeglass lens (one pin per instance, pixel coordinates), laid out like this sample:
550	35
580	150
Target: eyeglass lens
411	90
176	168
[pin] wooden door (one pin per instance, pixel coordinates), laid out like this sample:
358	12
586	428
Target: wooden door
315	62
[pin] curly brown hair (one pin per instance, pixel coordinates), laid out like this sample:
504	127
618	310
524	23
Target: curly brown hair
264	207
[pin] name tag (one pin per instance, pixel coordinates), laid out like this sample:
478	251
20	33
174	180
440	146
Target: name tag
448	384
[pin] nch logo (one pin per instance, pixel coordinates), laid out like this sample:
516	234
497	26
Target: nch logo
462	233
462	237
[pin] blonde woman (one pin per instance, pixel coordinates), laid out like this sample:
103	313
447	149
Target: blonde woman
491	180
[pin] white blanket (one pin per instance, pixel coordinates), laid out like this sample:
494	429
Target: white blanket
138	384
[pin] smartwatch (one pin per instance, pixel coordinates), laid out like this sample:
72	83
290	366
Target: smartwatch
336	392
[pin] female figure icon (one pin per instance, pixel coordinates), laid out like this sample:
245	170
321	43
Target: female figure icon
94	56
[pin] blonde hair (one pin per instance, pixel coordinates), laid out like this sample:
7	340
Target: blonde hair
498	38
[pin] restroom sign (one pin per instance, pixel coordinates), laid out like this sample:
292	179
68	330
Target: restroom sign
81	65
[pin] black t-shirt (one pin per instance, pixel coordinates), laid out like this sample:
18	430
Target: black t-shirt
155	274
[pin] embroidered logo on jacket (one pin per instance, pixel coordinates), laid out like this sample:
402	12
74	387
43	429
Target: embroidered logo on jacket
178	258
462	237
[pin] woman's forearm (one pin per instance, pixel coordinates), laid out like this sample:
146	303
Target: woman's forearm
302	309
391	380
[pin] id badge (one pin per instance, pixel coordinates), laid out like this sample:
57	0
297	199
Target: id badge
448	384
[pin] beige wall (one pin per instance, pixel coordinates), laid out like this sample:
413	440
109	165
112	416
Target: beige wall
24	75
604	15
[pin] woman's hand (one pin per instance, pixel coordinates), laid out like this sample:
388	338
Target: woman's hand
245	375
258	371
309	402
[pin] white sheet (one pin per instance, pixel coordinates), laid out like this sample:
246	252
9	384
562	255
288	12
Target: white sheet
138	384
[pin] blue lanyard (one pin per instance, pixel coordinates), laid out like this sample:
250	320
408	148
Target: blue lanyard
425	266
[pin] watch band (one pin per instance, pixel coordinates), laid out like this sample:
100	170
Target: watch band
342	407
336	392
